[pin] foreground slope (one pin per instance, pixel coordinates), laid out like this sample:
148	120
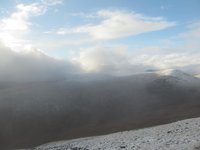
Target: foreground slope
39	112
181	135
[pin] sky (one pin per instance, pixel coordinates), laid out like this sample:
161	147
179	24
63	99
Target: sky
102	36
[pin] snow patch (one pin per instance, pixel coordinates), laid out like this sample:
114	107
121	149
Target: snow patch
181	135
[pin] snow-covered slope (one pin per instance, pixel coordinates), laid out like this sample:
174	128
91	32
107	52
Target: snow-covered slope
181	135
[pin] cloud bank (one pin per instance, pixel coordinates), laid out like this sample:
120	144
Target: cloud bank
32	65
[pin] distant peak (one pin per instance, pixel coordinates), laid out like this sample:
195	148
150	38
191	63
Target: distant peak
172	72
198	76
178	74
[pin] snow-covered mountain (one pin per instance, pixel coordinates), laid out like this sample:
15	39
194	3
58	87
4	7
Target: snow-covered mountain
198	75
38	112
192	69
181	135
179	75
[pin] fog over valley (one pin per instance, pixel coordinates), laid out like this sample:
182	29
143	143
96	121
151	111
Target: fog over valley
70	70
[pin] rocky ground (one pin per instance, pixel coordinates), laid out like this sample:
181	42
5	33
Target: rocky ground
181	135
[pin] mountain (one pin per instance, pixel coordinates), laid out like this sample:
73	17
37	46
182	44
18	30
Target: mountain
182	135
183	77
192	69
198	75
33	113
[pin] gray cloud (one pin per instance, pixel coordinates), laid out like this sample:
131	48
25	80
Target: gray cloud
32	65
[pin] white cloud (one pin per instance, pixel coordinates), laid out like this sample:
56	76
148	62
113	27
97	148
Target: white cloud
52	2
85	15
100	58
63	31
108	59
117	24
19	20
113	24
14	27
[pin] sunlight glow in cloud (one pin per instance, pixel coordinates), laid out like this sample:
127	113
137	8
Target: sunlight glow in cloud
19	20
15	26
101	58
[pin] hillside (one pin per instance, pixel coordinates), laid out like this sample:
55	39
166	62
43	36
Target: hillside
181	135
39	112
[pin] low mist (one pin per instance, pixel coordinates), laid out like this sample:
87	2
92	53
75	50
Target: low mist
32	65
